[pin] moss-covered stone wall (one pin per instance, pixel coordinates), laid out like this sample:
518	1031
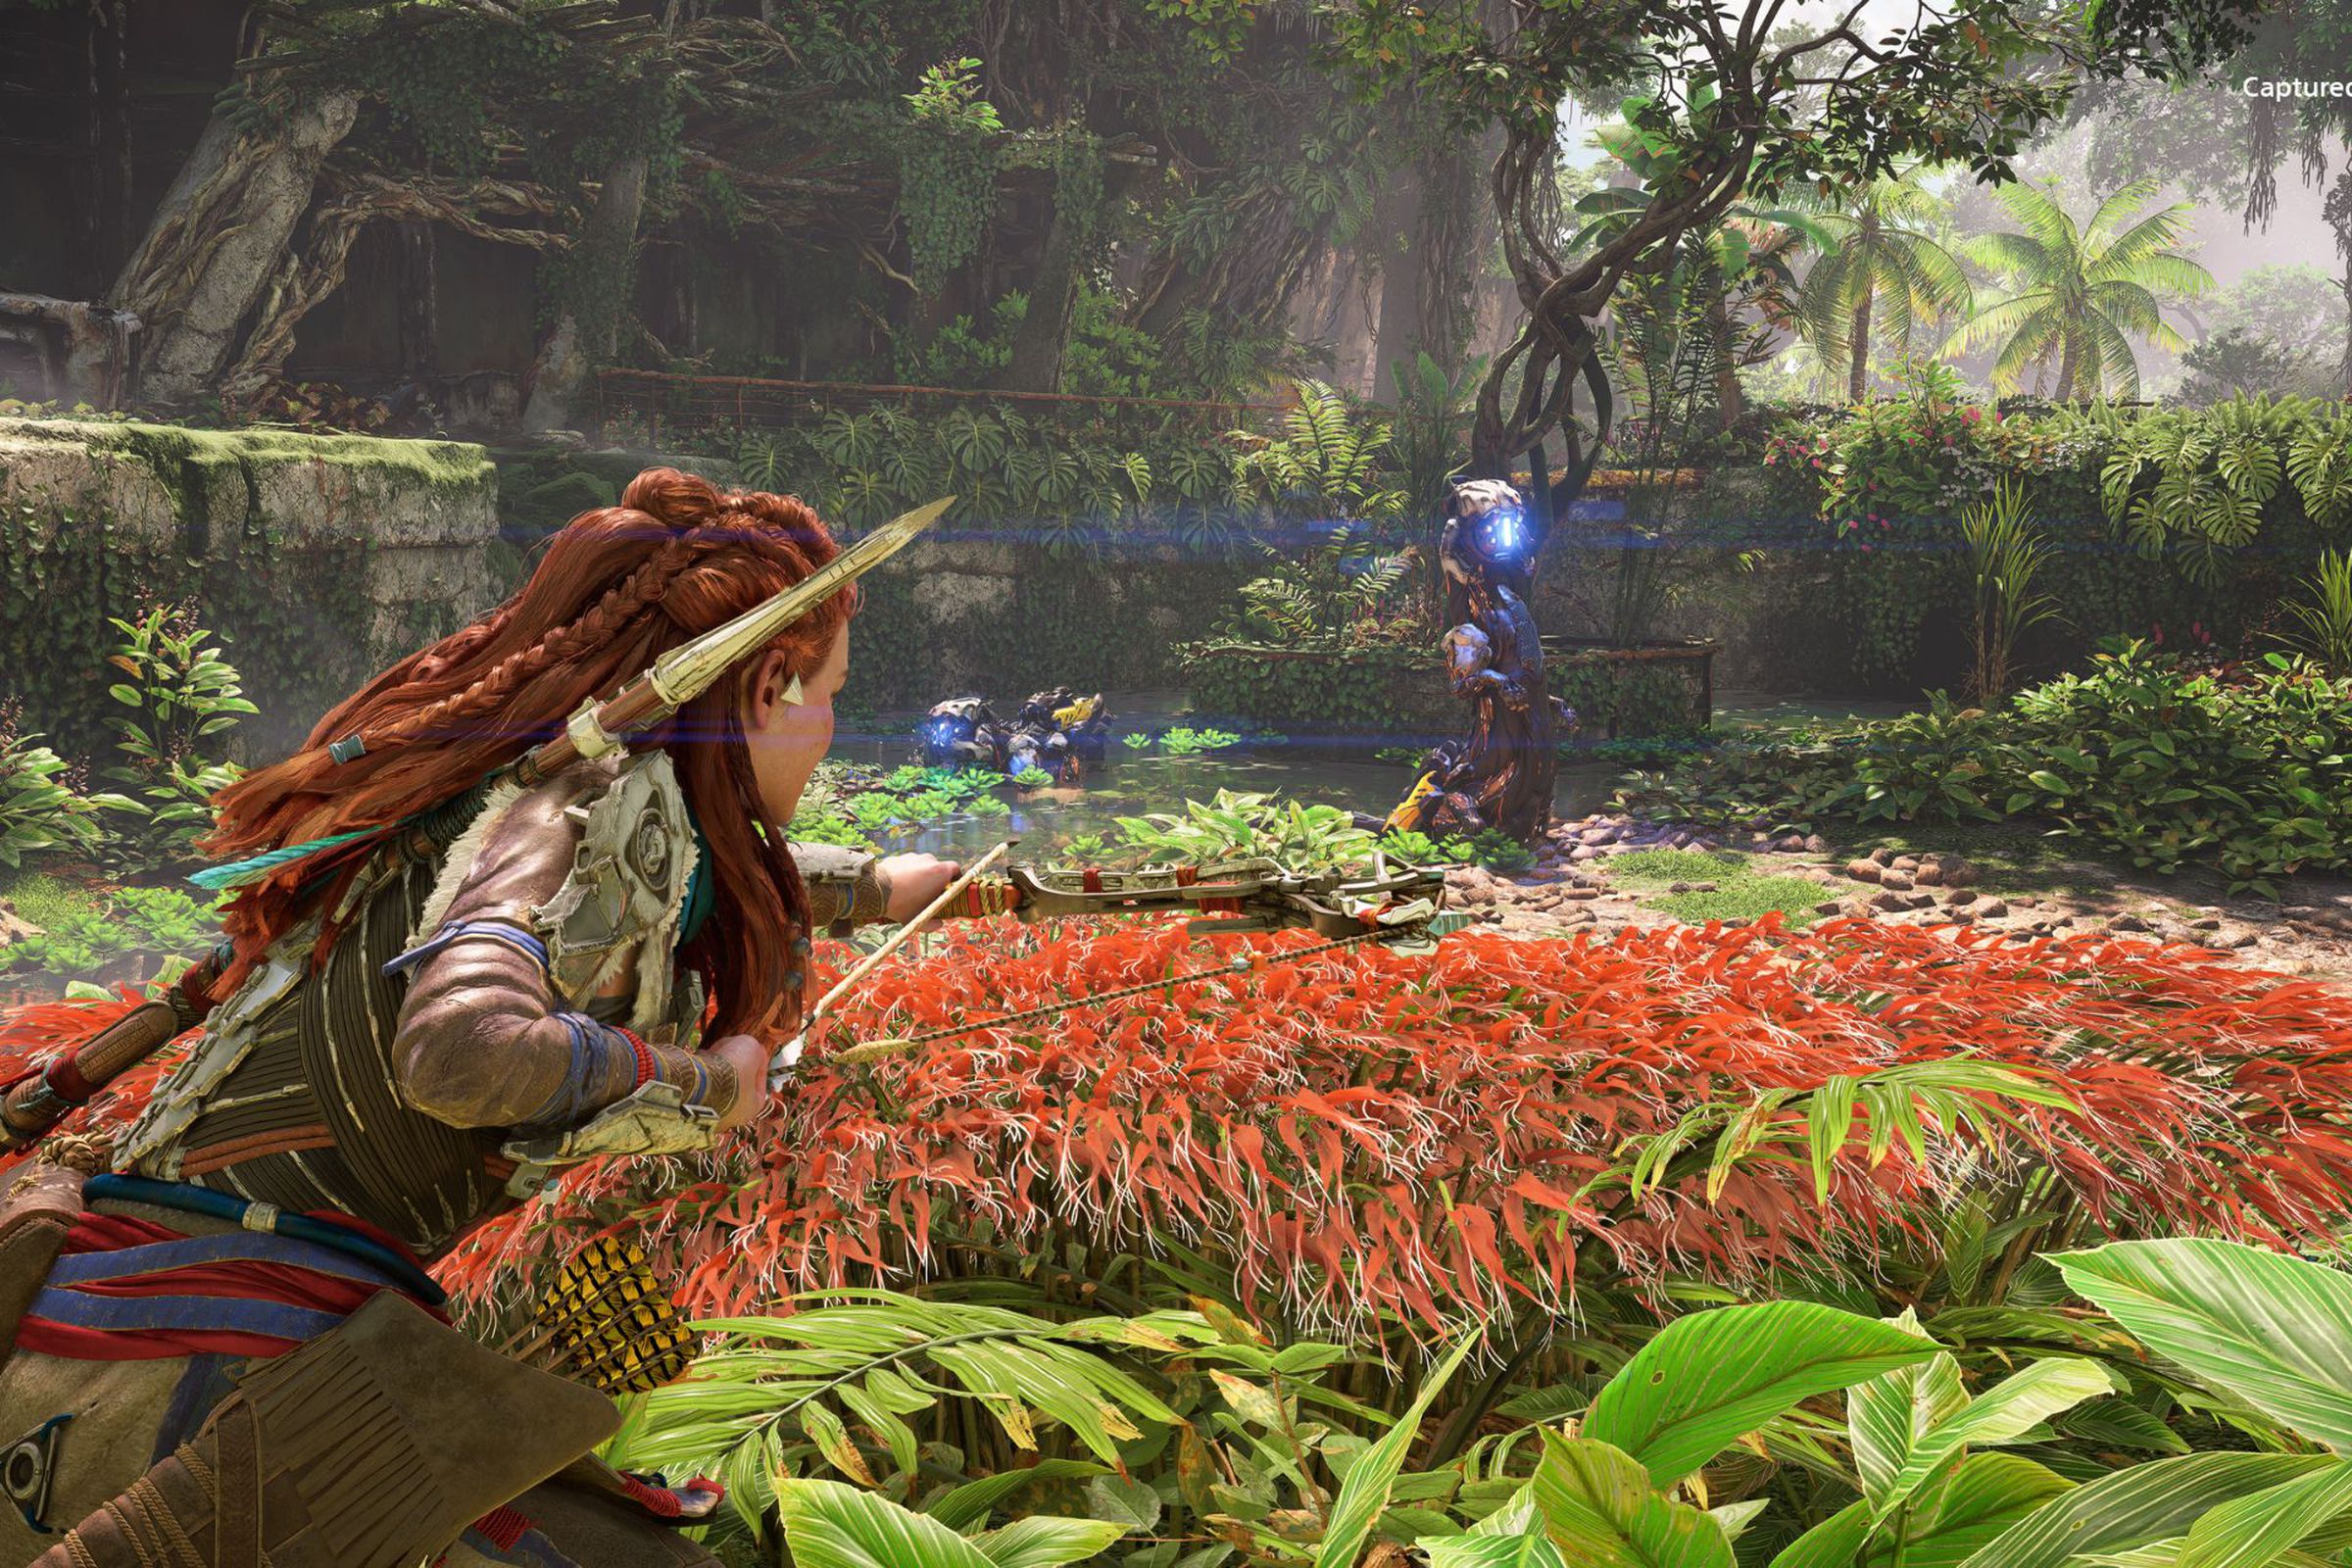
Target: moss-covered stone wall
317	559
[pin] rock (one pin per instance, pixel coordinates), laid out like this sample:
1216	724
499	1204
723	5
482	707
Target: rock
1815	844
1928	873
1897	879
1905	862
1992	909
2235	937
2125	922
1923	901
1583	853
1582	891
1964	896
1957	873
1892	902
2208	923
1678	887
1577	917
1863	870
1829	906
14	927
1884	855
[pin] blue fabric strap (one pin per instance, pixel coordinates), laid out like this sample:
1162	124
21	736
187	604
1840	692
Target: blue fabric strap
149	1313
153	1257
592	1047
503	931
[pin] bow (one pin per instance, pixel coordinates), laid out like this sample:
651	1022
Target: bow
1396	905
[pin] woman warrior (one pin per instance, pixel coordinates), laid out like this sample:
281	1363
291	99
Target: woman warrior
473	984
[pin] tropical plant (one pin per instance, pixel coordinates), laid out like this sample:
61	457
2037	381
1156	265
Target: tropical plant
1239	823
132	932
39	811
2008	555
1340	592
2082	290
1325	466
1429	438
180	696
2139	756
2323	616
1881	268
2202	484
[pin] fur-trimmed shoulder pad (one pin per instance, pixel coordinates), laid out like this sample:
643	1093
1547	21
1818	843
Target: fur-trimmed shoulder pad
626	890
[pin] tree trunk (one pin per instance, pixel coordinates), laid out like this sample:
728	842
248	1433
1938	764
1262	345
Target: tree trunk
1731	399
109	134
2344	243
1857	375
1041	343
1398	222
216	241
2068	360
599	270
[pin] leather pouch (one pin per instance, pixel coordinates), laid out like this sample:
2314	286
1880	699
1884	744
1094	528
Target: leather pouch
43	1201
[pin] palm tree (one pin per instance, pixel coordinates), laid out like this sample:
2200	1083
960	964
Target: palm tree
2081	289
1882	256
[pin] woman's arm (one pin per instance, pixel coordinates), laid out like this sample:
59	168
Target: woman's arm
484	1039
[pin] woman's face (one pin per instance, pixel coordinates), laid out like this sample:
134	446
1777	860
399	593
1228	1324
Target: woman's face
787	740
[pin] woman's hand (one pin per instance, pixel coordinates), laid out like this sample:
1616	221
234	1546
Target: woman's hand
749	1058
913	881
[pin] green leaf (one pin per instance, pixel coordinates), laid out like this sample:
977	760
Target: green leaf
1038	1541
1599	1508
2132	1507
1364	1493
968	1504
1250	1402
830	1525
2000	1414
2273	1331
1987	1494
1713	1376
2254	1531
1123	1500
1529	1549
1835	1543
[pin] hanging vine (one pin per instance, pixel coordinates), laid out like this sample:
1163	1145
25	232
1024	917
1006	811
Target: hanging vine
947	171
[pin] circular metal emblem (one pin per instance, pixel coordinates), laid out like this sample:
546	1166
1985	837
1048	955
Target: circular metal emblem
649	851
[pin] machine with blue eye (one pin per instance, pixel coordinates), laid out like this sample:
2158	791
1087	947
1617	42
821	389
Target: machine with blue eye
1499	776
1057	732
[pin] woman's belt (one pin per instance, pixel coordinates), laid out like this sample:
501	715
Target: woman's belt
248	1214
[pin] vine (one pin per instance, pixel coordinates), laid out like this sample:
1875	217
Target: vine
947	172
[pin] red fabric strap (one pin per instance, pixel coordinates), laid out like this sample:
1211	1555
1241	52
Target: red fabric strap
66	1081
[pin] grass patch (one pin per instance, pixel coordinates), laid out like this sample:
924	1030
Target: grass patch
1746	898
46	901
1643	867
1740	893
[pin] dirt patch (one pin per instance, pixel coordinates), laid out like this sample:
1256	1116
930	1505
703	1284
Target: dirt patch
1609	871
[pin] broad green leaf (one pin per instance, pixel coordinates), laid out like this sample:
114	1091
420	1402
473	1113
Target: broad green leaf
970	1503
1947	1524
1712	1376
1735	1517
1123	1500
1364	1493
2001	1414
2254	1531
2138	1506
1038	1541
2272	1330
1250	1402
1525	1549
1599	1508
1835	1543
1888	1416
830	1525
832	1440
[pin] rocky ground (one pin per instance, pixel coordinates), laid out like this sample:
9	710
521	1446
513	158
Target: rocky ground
1609	871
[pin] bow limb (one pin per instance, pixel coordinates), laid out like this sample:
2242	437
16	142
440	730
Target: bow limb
791	1054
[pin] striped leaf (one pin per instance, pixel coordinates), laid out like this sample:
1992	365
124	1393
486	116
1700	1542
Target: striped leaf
1835	1543
1949	1524
1713	1376
2000	1414
1039	1542
1525	1549
1364	1493
829	1525
1889	1416
1599	1508
2272	1331
2138	1506
2256	1530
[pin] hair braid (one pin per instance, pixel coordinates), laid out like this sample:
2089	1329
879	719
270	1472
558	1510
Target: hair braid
621	605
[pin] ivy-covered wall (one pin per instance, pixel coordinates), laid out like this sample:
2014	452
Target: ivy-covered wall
314	557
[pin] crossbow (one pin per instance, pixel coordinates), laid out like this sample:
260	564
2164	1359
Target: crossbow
1395	906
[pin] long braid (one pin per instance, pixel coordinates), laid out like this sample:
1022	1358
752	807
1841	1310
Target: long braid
621	605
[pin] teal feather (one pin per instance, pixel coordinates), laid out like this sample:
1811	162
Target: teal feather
239	873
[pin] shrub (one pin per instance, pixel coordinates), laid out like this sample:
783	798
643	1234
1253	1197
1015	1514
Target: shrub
180	696
2139	757
40	812
132	931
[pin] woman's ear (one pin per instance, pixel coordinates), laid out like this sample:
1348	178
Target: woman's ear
773	688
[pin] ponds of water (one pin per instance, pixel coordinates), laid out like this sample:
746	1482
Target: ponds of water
1130	783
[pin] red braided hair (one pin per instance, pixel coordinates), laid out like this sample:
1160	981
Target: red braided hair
615	588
